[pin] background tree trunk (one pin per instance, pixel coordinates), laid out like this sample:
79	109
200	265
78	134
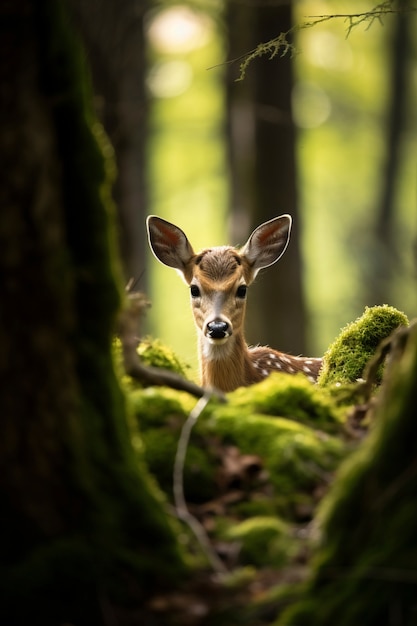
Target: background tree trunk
384	260
263	167
113	35
81	528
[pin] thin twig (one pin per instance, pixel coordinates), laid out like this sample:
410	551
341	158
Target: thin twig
178	486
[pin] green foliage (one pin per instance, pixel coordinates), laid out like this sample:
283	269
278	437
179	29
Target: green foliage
347	357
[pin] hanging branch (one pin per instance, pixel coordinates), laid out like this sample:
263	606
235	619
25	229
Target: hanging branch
282	44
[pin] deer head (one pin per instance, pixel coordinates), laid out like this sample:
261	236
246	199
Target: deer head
218	277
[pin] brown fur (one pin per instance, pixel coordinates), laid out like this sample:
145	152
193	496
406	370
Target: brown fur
215	276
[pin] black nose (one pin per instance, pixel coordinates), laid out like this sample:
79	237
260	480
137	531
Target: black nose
217	329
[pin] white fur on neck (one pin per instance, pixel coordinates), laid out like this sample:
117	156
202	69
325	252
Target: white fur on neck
215	351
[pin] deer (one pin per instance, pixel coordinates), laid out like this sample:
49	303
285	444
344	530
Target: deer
218	279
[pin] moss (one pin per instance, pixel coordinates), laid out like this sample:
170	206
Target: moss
347	357
158	406
289	396
81	512
259	504
295	455
265	541
154	353
160	447
160	414
365	566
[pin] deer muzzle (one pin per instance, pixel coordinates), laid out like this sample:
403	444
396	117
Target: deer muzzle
218	331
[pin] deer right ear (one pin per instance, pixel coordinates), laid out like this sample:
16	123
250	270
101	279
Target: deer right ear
267	243
169	243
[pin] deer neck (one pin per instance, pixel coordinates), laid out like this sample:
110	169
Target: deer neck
227	366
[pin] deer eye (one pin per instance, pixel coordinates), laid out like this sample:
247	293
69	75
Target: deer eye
241	291
195	291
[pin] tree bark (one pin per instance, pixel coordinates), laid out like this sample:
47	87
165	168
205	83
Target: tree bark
79	521
113	35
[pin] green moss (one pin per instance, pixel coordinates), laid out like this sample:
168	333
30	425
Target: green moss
85	514
296	456
260	504
365	567
265	541
154	353
347	357
160	414
155	407
160	447
289	396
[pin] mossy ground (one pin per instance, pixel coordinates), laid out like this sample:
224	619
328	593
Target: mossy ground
289	432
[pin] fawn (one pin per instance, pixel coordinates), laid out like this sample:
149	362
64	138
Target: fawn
218	279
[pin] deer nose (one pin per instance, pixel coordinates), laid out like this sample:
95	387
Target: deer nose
218	329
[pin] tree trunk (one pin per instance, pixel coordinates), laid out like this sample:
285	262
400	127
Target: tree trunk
263	165
113	35
385	257
79	521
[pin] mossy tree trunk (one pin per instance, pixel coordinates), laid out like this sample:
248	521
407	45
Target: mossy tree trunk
113	35
366	568
81	527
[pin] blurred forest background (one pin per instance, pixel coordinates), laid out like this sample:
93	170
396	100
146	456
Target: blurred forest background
327	134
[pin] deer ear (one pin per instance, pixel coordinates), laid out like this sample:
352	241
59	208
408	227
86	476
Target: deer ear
267	243
169	243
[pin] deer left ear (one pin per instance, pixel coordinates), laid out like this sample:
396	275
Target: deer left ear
169	243
267	243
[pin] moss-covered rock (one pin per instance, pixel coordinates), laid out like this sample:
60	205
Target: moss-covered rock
347	357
